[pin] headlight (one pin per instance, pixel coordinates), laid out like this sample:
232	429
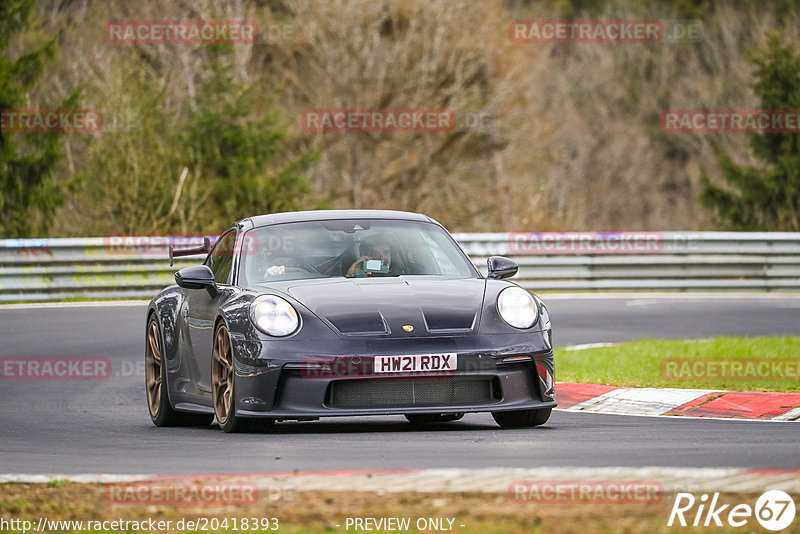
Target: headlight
517	307
274	316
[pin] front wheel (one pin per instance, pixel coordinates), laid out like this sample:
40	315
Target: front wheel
522	418
161	411
223	388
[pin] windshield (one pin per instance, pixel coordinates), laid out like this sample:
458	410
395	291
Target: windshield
350	248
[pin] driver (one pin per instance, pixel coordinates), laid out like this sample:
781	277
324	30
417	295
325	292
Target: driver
376	249
284	261
279	266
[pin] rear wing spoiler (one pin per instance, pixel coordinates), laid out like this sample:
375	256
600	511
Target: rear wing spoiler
205	249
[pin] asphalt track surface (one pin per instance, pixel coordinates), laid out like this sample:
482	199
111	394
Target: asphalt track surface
102	426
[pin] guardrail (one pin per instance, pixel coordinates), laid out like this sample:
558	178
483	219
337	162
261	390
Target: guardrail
43	269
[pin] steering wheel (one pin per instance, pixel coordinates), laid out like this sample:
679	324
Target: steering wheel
307	266
294	270
332	267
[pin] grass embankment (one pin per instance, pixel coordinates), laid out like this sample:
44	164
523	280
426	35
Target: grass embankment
730	363
326	512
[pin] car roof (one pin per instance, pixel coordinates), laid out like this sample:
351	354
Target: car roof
327	215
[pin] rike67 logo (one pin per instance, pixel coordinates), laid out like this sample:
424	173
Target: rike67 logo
774	510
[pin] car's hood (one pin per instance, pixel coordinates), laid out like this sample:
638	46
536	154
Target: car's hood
395	307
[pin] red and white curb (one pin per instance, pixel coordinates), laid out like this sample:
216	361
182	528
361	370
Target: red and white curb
458	480
681	402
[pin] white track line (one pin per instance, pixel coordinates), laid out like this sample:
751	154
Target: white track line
680	417
677	296
87	304
457	480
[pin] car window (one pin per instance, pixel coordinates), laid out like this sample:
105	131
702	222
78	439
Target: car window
441	251
322	249
221	259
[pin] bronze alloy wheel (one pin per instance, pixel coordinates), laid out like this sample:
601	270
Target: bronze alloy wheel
222	375
222	388
152	367
155	373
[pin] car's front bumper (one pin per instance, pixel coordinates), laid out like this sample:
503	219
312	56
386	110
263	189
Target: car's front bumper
489	378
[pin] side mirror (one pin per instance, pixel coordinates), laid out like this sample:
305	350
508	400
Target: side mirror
501	267
197	277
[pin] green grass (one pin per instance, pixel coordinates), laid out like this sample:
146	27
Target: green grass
312	512
654	363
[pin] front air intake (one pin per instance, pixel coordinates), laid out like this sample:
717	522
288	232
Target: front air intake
412	392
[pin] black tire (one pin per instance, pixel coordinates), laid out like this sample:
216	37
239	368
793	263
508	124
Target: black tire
155	380
522	418
423	418
223	384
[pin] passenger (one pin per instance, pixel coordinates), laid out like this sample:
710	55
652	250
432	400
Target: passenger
377	249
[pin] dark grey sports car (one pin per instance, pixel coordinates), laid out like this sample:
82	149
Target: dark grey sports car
296	316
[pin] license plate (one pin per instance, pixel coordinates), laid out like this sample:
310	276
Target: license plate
418	363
